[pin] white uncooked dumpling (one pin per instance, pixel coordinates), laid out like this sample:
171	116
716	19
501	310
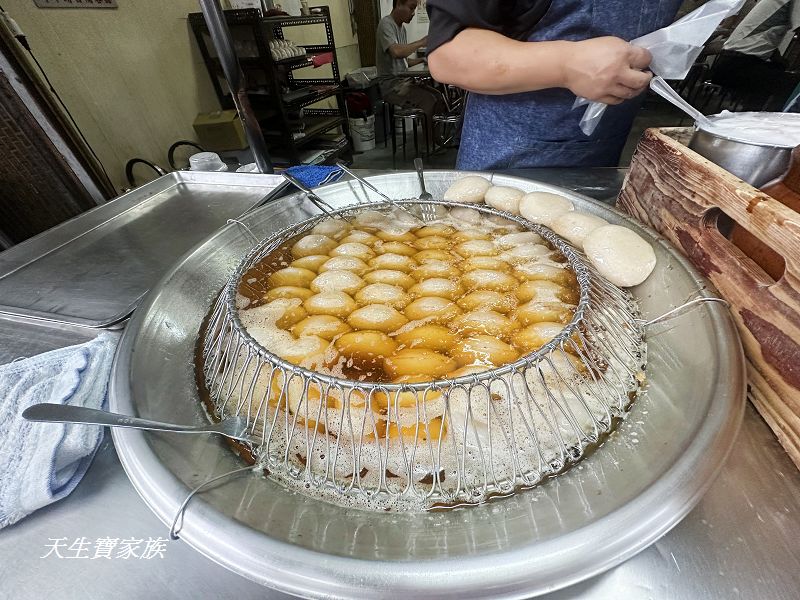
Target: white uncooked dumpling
543	207
469	190
504	198
620	255
574	226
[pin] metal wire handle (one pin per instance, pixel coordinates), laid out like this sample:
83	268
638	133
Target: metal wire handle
682	309
177	522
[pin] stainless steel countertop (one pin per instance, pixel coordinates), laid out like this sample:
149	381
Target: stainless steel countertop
740	541
93	270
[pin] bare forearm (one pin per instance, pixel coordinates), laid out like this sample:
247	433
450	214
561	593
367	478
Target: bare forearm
486	62
405	50
606	69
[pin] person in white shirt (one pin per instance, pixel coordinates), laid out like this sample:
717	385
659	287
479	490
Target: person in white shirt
393	57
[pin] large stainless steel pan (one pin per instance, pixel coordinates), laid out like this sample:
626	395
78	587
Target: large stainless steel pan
636	487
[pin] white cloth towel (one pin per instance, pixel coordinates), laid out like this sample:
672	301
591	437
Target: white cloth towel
43	462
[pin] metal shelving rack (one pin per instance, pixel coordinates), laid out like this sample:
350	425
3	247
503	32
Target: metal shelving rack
274	90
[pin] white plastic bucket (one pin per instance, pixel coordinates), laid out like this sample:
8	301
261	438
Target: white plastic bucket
206	161
362	132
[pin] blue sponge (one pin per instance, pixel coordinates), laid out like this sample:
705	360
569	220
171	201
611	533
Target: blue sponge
315	175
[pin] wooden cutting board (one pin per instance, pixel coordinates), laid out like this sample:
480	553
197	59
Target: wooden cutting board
688	199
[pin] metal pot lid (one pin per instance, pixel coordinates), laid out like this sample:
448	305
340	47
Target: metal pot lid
643	480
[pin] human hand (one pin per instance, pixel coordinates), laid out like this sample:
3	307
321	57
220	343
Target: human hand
606	69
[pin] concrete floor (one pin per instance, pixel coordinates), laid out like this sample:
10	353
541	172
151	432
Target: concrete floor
654	113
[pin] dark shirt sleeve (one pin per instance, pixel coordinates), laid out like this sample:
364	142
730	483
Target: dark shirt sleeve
513	18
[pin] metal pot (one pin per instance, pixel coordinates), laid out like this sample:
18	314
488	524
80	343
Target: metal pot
617	502
754	163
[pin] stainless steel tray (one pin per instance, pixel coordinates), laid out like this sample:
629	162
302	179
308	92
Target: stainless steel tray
21	337
635	488
95	274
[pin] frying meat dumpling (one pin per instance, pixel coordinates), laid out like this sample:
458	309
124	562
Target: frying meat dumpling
469	190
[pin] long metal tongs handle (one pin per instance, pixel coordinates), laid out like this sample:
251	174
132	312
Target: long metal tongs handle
366	183
316	200
418	166
659	85
363	181
64	413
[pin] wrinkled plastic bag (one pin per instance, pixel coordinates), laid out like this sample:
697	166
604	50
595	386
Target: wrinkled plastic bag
675	48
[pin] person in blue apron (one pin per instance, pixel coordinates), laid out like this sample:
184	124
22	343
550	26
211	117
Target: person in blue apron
519	111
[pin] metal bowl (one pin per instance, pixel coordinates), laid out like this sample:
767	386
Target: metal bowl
754	163
636	487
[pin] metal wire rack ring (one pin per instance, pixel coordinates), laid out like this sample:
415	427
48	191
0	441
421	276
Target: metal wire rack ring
443	442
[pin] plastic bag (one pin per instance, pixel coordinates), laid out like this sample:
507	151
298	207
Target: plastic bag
674	48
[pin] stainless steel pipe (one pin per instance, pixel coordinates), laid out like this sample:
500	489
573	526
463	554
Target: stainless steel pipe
221	37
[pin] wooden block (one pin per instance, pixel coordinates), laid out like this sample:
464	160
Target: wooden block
681	195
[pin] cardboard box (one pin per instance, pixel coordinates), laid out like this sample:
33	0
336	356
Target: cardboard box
220	130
